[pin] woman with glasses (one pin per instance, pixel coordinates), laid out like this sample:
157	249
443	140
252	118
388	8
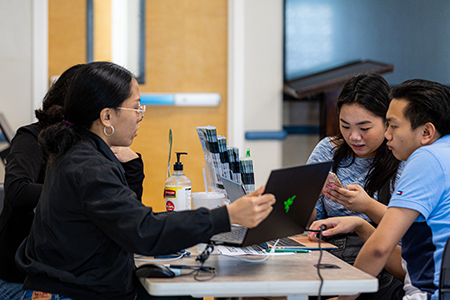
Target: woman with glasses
88	223
24	177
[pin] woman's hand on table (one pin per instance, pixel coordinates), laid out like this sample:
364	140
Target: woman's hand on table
339	225
335	226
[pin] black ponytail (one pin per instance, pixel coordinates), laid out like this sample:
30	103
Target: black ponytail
56	139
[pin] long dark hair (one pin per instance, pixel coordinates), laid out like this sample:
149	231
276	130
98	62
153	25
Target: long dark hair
52	112
372	92
96	86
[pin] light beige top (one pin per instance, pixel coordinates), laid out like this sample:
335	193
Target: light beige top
280	275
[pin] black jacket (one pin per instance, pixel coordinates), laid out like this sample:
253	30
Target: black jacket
88	224
24	177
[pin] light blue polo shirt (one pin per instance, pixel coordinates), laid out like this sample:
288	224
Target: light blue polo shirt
425	187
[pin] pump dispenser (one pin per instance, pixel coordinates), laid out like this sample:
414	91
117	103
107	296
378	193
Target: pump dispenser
178	188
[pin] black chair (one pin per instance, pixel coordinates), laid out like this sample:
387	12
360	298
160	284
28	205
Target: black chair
444	280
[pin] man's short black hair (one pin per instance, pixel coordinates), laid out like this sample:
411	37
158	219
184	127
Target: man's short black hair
428	101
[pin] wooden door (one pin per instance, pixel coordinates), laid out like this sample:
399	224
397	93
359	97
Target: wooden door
186	51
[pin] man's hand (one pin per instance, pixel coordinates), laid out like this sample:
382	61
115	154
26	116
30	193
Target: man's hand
251	209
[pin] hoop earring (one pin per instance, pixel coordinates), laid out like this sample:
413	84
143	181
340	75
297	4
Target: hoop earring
110	134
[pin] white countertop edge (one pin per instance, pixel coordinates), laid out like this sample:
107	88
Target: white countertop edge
269	288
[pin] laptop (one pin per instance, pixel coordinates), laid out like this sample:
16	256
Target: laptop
235	190
296	190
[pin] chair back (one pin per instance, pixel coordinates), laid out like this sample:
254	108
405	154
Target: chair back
444	280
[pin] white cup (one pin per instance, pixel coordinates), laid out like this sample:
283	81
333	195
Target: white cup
208	199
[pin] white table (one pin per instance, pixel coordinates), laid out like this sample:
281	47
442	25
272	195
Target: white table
290	275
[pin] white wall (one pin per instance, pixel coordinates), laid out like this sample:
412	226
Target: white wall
23	60
256	80
16	61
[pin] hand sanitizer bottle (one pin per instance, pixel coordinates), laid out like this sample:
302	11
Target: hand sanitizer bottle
178	188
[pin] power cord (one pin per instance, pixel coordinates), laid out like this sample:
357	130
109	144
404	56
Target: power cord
318	266
202	258
205	254
162	258
195	271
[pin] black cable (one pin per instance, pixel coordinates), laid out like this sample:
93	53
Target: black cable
318	266
202	258
212	271
195	270
322	227
205	254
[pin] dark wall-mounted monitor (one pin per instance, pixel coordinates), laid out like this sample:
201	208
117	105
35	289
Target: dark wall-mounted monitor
324	34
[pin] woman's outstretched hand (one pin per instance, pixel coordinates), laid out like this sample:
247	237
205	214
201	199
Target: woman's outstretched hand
339	225
251	209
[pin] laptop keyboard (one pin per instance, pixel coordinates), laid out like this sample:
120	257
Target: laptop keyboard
235	236
286	242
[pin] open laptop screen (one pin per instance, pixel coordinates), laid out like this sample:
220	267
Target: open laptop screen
296	190
234	189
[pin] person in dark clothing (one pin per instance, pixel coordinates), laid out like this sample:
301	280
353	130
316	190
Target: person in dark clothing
24	177
88	223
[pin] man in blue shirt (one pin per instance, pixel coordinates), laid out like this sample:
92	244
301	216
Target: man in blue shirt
418	212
